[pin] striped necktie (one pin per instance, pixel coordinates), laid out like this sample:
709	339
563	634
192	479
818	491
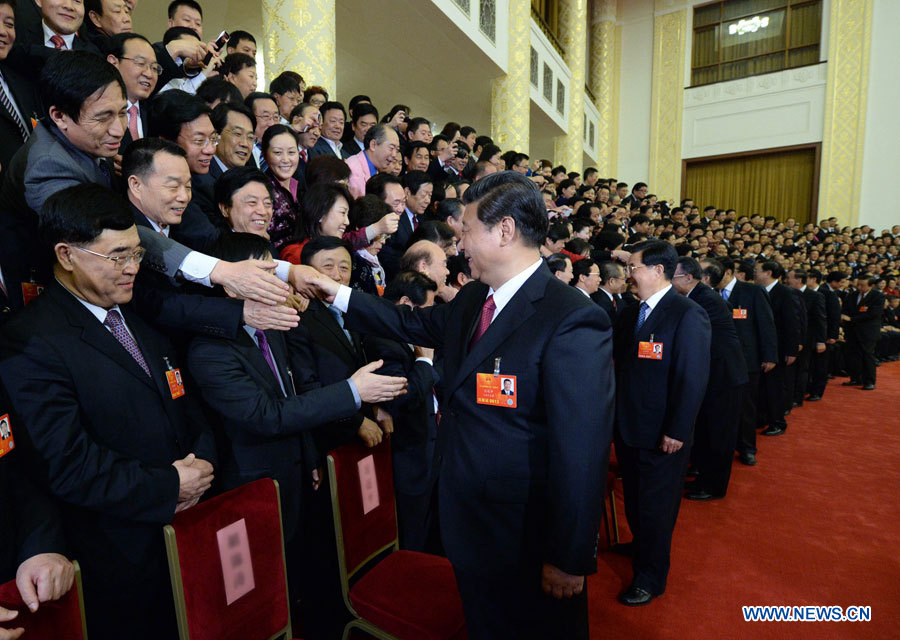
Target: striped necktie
6	101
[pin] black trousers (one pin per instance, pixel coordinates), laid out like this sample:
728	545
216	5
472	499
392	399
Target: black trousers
818	371
789	380
802	366
513	605
714	437
653	484
746	436
861	359
771	397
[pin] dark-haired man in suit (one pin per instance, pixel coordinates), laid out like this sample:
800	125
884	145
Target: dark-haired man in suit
520	481
819	377
786	312
19	101
80	366
755	327
816	331
662	361
862	327
719	416
612	285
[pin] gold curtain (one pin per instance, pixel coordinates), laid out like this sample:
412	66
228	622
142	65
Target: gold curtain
776	184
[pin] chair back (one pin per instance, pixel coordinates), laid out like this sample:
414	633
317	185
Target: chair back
362	500
63	618
226	561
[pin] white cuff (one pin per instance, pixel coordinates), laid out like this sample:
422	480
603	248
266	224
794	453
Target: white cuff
342	299
197	267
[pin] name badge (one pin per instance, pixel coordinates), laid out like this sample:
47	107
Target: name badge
497	391
863	309
739	314
30	291
650	350
176	384
7	443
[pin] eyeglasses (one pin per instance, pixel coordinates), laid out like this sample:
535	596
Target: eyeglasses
249	138
267	117
202	142
119	262
143	63
630	268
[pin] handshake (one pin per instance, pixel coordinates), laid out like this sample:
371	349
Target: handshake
311	284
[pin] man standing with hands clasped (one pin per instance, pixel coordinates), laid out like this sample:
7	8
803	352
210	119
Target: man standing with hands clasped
520	484
662	349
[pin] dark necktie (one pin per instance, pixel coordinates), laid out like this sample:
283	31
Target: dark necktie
58	42
303	155
487	314
339	317
117	328
642	316
415	222
263	343
6	101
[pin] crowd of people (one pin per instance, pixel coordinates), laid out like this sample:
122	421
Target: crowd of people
203	284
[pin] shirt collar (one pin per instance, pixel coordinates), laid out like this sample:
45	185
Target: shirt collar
771	286
336	146
730	286
608	294
372	169
509	288
653	300
49	33
583	291
220	163
98	312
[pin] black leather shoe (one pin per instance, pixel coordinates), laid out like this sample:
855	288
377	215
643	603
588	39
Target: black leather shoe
635	596
692	472
748	459
813	398
796	404
868	387
773	431
701	496
851	383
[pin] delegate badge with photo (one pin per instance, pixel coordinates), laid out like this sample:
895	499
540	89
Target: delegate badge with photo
176	384
739	314
7	443
650	350
497	390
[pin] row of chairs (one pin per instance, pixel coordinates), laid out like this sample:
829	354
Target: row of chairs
229	578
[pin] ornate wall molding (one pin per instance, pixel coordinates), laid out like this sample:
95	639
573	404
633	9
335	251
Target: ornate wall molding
300	36
510	94
604	83
666	99
843	137
573	27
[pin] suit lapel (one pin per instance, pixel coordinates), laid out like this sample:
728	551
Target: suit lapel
249	351
519	309
656	316
324	317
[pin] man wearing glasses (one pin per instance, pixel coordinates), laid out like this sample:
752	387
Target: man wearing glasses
134	57
115	438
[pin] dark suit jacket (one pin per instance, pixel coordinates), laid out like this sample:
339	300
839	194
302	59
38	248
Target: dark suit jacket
395	247
656	398
727	368
265	432
202	194
804	318
865	325
816	319
786	312
25	95
144	114
104	436
759	339
29	54
322	148
29	518
832	311
607	305
335	359
525	485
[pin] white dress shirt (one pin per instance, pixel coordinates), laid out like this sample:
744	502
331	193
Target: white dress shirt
653	300
49	33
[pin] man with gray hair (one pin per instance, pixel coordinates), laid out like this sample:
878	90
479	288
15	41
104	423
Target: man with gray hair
381	148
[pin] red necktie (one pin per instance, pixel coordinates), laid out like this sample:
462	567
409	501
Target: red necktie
415	222
58	42
487	314
133	122
303	155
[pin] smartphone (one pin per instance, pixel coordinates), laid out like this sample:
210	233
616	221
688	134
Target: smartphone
220	42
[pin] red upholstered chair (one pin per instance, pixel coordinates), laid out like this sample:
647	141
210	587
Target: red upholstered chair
63	618
407	595
196	567
612	521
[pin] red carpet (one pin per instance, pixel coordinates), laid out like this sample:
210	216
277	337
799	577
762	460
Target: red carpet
816	522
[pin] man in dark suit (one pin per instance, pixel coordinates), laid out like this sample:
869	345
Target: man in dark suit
818	378
414	414
333	119
786	312
79	364
612	285
719	417
249	383
32	542
862	327
19	101
520	485
135	58
755	327
57	31
418	188
816	332
662	360
793	373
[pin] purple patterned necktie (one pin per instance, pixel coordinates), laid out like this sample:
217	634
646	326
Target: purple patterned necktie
263	343
117	327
